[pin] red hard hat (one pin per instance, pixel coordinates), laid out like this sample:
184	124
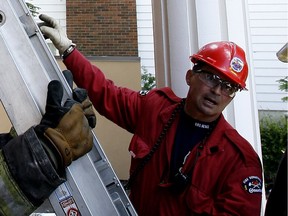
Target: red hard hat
227	58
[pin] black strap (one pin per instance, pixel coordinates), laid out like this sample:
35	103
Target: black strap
156	145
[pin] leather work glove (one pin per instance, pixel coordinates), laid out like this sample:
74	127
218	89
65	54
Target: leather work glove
65	128
51	29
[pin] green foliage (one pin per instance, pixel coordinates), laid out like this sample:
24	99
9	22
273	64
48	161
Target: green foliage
148	80
283	86
33	9
274	143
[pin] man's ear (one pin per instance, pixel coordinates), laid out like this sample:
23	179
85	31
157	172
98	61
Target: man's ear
188	76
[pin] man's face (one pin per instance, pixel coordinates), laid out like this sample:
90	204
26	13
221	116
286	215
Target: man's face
204	103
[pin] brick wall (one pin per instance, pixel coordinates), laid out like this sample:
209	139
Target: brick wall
103	27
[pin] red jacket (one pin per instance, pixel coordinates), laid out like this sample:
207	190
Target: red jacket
226	178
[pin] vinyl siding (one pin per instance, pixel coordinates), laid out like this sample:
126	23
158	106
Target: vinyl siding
55	8
268	22
145	35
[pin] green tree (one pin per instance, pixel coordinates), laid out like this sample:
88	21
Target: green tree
148	80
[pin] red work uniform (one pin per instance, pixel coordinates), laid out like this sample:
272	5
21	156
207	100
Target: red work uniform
226	177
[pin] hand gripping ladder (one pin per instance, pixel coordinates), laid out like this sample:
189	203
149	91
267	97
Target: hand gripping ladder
26	67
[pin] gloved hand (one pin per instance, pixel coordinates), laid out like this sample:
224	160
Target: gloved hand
65	129
51	29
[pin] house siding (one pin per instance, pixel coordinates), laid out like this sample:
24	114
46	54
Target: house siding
145	35
268	26
55	8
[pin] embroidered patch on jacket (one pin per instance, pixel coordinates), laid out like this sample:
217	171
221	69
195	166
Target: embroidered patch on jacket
143	92
252	184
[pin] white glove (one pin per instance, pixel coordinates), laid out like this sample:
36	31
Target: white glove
52	30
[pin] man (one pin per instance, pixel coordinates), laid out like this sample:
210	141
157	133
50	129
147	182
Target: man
186	158
32	165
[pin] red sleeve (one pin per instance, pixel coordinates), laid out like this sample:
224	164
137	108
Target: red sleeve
242	193
115	103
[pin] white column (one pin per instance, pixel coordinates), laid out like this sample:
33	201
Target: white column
172	44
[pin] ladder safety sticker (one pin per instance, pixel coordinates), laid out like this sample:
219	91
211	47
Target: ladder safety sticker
67	201
73	212
69	207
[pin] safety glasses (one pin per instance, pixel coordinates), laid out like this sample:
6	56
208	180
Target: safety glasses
212	80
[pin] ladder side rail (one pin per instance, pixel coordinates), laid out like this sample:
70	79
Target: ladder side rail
97	155
35	89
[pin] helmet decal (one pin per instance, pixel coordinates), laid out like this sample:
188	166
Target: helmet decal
236	64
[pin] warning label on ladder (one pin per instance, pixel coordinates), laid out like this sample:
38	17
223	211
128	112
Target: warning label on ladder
67	201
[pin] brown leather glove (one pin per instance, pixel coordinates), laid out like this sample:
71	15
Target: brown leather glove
72	137
66	129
